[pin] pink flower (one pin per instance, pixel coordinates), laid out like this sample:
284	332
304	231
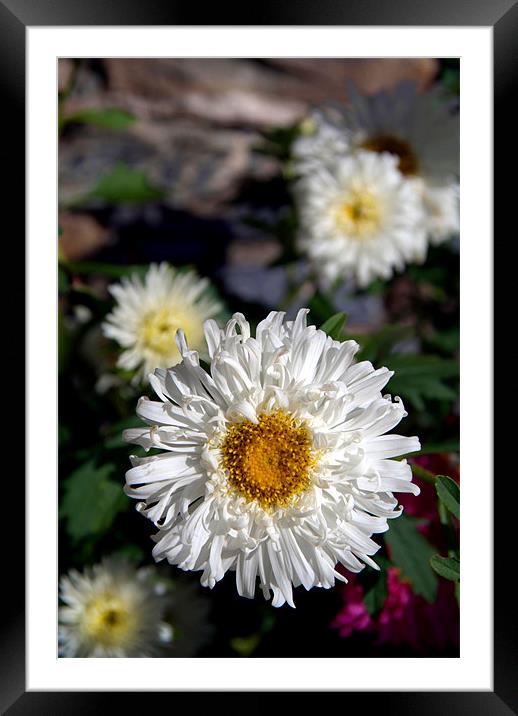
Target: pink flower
353	616
407	619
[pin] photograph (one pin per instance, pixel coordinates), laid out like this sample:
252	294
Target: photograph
259	357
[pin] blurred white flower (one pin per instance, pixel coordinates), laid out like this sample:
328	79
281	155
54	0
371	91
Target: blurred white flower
276	464
150	311
320	142
114	609
417	127
442	211
360	217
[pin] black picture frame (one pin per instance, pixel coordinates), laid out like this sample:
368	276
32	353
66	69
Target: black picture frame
15	16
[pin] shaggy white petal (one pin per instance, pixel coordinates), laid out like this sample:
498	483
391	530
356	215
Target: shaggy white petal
289	374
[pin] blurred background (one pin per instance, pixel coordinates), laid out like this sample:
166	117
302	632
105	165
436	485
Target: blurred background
186	161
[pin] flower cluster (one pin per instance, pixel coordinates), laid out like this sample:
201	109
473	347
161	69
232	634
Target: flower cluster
377	182
265	455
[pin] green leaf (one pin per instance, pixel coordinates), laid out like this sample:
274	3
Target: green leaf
64	341
131	551
451	80
449	493
447	567
412	553
114	439
125	185
377	346
85	268
418	366
376	587
334	326
63	280
321	307
91	500
434	448
110	117
421	377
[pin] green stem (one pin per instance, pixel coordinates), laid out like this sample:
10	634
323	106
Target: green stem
425	475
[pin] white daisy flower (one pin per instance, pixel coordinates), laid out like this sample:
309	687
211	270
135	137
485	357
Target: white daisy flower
112	609
275	464
149	312
360	217
418	128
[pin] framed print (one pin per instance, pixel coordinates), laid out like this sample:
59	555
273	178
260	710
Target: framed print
261	222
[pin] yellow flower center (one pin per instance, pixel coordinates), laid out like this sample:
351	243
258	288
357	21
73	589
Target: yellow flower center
269	461
109	621
359	214
408	163
158	332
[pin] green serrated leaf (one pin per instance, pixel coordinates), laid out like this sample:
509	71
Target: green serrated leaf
125	185
449	493
447	567
109	117
91	500
334	326
412	553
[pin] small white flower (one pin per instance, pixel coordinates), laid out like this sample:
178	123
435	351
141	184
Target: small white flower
149	312
114	609
360	217
275	464
320	142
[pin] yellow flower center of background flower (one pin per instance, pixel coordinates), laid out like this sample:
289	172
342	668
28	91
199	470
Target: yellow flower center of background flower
408	164
269	461
359	215
159	327
109	621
